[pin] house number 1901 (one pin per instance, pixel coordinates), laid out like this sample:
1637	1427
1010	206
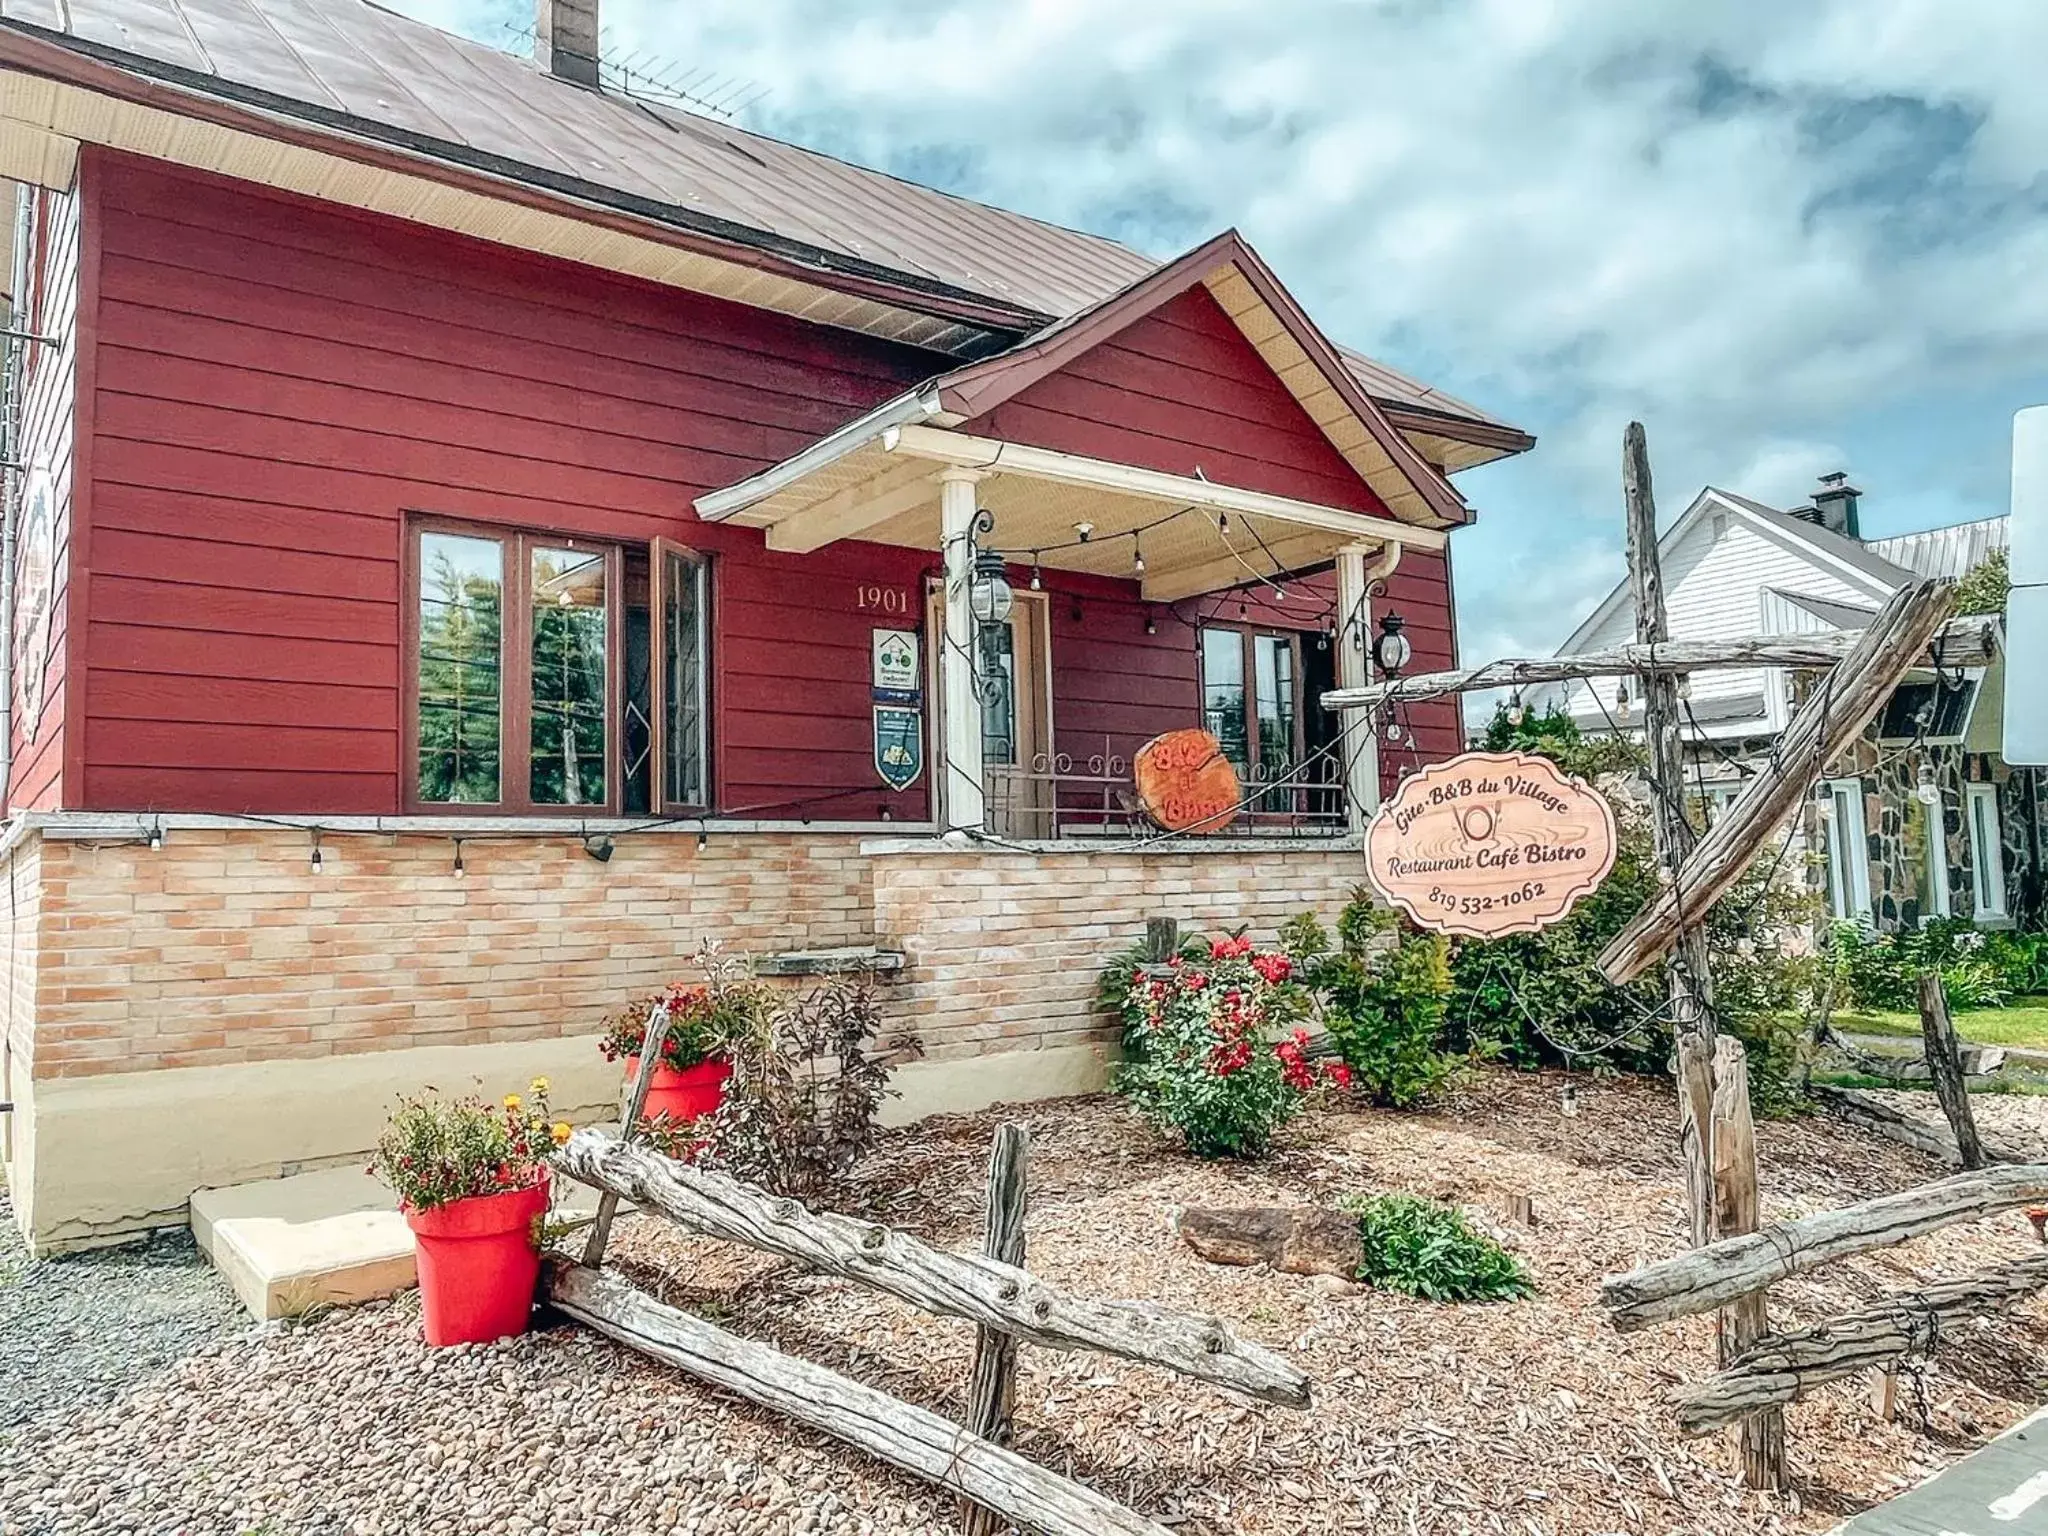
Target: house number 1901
883	599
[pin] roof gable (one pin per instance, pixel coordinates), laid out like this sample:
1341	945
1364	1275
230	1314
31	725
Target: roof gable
1184	391
1851	564
1281	345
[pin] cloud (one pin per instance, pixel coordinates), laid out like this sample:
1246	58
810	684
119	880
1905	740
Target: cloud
1780	235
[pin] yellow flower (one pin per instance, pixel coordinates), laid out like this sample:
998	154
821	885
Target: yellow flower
560	1132
512	1102
538	1087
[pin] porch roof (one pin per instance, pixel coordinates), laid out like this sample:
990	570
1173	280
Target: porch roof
876	478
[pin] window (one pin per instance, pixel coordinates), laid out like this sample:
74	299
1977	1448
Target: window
1987	851
1937	712
1847	850
1251	703
685	678
530	673
1923	840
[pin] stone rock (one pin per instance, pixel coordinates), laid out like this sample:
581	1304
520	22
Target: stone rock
1298	1240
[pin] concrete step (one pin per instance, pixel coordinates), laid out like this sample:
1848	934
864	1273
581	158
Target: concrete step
329	1238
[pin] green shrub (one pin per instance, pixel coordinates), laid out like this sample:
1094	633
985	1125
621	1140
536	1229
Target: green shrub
1882	970
2021	959
1204	1063
1422	1248
1382	995
1539	998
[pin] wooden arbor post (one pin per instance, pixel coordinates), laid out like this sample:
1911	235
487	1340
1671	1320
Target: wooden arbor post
1715	1136
1945	1068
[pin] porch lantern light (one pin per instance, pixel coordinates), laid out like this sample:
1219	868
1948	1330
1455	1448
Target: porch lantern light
989	598
1392	650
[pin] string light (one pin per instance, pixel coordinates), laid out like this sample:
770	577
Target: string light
1137	557
703	839
1517	712
1926	790
1621	703
1084	531
1037	581
1222	522
319	860
1151	623
156	837
460	871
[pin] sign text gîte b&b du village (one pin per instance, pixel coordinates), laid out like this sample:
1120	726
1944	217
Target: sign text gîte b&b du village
1490	843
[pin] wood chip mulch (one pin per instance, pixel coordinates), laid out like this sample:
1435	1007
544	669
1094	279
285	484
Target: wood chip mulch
1528	1417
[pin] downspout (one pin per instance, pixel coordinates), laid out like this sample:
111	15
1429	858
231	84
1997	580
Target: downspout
10	456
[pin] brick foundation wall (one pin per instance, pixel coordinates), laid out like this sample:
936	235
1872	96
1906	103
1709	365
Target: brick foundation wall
1005	948
212	1011
223	946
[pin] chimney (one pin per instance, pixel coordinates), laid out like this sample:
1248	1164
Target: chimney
565	39
1834	505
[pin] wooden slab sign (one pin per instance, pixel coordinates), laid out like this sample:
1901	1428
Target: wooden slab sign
1489	843
1185	783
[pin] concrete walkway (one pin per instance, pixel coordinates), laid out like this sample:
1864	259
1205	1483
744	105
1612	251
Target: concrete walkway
2001	1490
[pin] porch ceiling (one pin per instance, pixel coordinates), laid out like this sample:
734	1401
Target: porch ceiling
1196	536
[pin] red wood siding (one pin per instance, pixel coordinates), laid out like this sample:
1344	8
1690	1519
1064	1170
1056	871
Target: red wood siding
1182	390
277	383
48	437
280	382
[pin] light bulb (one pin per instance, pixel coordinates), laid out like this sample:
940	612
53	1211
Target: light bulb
1084	531
319	859
156	839
1037	581
1926	790
1516	712
459	870
1393	730
1137	557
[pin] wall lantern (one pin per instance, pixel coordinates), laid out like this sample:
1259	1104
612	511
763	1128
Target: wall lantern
989	597
1392	650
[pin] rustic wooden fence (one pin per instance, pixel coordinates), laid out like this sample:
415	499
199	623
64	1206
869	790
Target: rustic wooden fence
1007	1304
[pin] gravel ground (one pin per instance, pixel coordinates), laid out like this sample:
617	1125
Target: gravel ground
84	1328
1532	1418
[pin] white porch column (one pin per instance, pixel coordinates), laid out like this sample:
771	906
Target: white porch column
961	796
1361	746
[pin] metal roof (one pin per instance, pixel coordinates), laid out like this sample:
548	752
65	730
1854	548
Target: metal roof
1953	551
356	67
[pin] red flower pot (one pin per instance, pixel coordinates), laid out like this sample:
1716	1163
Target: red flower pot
684	1095
478	1264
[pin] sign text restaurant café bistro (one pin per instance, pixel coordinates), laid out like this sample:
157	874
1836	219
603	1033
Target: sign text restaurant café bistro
423	814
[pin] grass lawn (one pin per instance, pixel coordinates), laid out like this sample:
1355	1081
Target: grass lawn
2024	1022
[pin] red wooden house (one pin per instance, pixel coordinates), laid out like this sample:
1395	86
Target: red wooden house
475	532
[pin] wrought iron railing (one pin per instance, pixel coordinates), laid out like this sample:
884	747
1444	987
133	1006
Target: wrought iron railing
1058	795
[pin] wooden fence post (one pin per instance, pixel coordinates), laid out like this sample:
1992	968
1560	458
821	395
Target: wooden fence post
635	1100
1736	1213
1945	1067
992	1385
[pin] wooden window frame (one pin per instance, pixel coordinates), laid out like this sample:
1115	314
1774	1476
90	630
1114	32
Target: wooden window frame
1248	637
657	604
515	667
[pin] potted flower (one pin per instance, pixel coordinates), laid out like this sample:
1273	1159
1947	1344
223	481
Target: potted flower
1213	1053
473	1184
689	1079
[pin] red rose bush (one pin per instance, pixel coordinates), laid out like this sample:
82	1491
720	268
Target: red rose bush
1213	1052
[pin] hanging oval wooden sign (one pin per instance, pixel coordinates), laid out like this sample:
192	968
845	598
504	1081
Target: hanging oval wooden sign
1185	783
1490	843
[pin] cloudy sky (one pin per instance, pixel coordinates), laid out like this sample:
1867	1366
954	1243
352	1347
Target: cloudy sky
1789	238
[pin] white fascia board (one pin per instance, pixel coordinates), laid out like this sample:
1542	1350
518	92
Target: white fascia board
918	405
1000	457
1807	550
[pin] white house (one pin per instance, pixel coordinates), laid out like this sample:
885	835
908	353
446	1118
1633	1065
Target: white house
1734	567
